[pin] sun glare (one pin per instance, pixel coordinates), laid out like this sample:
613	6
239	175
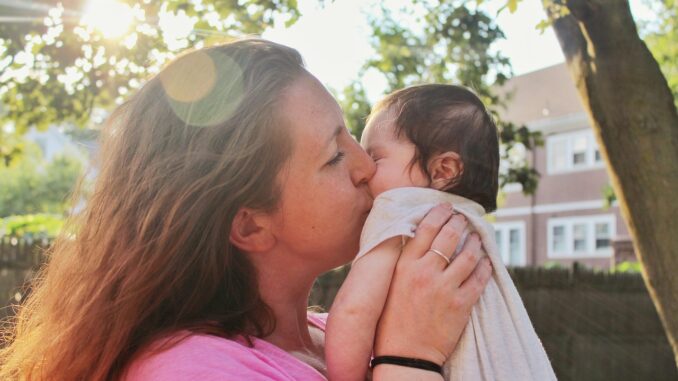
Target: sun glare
110	17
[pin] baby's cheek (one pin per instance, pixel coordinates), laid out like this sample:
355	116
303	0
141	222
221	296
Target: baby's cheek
375	184
384	180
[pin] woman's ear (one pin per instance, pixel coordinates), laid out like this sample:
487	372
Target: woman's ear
251	231
444	168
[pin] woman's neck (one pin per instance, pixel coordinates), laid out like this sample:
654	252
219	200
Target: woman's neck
289	305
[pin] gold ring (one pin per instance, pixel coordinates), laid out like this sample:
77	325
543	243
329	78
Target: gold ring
440	254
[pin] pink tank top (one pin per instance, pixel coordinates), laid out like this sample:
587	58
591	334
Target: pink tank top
211	358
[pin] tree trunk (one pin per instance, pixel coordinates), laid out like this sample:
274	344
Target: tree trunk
636	125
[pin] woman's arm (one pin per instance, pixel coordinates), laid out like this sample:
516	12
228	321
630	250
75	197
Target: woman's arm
355	312
429	303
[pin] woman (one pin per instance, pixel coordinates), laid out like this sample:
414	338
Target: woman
227	184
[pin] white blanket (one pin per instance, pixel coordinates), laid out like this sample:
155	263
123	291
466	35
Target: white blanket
499	342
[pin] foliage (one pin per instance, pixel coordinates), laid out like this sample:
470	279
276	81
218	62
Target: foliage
32	226
554	265
448	42
11	146
662	41
353	101
32	185
622	267
609	197
57	66
628	267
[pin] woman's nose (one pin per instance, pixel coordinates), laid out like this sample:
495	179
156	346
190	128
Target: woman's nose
363	167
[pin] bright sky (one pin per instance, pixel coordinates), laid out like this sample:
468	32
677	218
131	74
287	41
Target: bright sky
334	40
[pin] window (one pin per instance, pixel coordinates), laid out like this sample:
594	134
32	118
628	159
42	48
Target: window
572	151
558	154
602	234
575	237
510	237
558	244
515	253
579	150
579	237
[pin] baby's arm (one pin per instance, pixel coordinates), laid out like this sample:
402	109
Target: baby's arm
356	310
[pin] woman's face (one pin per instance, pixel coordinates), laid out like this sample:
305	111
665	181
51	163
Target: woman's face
325	199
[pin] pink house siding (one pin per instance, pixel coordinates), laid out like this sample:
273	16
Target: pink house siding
566	215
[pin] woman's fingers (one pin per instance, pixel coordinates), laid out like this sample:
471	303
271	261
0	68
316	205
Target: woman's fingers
427	230
447	240
424	314
465	263
474	285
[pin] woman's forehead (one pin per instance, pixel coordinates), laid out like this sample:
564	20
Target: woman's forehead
310	112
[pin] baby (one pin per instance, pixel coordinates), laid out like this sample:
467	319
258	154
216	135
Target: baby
432	144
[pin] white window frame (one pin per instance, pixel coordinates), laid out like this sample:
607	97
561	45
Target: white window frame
590	222
512	188
568	139
505	228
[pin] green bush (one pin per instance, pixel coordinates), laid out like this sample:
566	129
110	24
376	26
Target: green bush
33	185
32	226
628	267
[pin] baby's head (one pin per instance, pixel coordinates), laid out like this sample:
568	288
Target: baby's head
434	136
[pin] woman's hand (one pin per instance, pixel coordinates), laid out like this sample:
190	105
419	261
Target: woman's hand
429	302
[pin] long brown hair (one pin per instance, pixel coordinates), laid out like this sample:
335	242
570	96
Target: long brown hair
150	254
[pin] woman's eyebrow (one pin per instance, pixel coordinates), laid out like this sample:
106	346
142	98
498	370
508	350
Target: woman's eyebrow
336	133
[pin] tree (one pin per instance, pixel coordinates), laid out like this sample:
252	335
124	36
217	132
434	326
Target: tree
62	62
662	40
32	185
353	101
635	121
444	42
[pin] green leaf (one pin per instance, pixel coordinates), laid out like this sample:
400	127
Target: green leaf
543	25
512	5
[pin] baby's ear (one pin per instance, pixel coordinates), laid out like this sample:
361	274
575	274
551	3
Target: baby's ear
444	168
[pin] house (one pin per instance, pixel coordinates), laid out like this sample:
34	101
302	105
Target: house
566	220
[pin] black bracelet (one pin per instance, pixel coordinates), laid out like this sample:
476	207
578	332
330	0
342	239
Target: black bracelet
408	362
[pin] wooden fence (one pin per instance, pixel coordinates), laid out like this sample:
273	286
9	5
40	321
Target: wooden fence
594	325
19	260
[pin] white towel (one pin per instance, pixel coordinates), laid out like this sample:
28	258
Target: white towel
499	342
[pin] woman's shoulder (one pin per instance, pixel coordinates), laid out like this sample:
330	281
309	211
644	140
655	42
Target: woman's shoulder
194	356
203	357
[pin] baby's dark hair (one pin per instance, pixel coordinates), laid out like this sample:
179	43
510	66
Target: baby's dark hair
441	118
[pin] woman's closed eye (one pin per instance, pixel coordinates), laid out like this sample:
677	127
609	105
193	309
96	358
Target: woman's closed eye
336	159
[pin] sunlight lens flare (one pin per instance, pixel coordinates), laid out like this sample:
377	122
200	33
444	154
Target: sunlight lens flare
203	88
110	17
